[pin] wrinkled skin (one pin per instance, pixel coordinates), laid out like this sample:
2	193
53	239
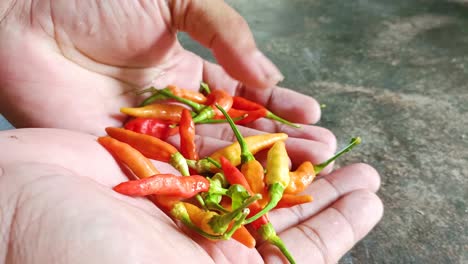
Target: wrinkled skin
73	64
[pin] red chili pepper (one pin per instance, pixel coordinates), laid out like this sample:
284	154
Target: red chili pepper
221	98
152	126
187	136
245	104
234	176
165	184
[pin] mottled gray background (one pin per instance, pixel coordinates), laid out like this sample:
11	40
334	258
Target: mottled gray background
395	73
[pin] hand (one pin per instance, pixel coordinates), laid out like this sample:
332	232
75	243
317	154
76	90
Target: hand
73	64
56	201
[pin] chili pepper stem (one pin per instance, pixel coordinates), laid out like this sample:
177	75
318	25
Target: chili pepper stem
153	98
147	90
246	155
204	88
220	223
269	234
218	121
195	106
204	114
237	224
354	141
272	116
275	191
180	212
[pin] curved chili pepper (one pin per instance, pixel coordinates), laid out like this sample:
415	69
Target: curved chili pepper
300	178
277	177
255	144
187	136
220	98
246	104
169	112
165	184
251	168
234	176
290	200
152	126
244	237
136	162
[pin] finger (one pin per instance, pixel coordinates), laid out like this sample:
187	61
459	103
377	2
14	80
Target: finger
299	149
219	27
326	237
286	103
326	191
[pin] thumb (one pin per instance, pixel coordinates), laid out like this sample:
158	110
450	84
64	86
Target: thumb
217	26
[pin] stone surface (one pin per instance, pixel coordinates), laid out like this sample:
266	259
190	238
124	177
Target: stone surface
395	73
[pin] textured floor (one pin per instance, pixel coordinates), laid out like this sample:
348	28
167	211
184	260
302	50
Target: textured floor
395	73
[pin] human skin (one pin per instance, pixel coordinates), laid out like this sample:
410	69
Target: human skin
73	64
57	206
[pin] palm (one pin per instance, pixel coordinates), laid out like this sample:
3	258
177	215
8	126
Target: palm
55	183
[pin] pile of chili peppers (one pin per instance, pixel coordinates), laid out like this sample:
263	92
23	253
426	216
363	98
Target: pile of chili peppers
219	195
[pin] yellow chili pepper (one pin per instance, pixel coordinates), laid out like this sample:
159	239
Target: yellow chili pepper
169	112
277	177
255	144
300	178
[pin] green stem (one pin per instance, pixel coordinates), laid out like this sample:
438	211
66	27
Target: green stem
275	192
147	90
246	155
195	106
220	223
269	234
237	224
179	212
354	141
214	162
204	114
180	163
204	88
272	116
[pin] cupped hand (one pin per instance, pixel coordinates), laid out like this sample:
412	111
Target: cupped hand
73	64
56	201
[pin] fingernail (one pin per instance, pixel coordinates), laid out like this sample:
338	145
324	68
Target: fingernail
271	74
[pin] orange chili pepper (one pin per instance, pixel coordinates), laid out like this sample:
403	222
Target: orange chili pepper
169	112
136	162
151	147
255	144
244	237
290	200
187	94
221	98
300	178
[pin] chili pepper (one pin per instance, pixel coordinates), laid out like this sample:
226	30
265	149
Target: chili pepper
277	177
244	237
151	147
268	233
300	178
251	168
290	200
151	126
204	112
165	184
136	162
217	121
139	165
187	136
187	94
234	176
211	224
245	104
169	112
255	144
